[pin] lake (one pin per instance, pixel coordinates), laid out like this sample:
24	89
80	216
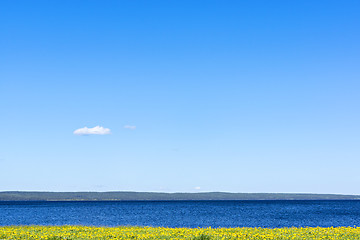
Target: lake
193	214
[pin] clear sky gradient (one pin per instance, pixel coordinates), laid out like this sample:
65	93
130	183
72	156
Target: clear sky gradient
239	96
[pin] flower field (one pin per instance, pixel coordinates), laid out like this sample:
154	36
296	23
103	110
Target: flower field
83	232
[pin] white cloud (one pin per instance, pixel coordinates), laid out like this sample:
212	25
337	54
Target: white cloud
197	188
130	127
92	131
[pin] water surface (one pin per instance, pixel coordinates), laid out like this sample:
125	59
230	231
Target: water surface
184	213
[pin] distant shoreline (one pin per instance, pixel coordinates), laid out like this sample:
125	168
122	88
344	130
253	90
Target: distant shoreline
158	196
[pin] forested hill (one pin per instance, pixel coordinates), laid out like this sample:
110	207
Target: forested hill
154	196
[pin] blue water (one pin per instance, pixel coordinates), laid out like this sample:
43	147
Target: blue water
184	213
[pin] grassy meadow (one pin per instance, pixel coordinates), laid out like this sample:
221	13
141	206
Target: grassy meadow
83	232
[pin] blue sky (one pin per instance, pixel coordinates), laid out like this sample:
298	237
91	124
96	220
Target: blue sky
239	96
